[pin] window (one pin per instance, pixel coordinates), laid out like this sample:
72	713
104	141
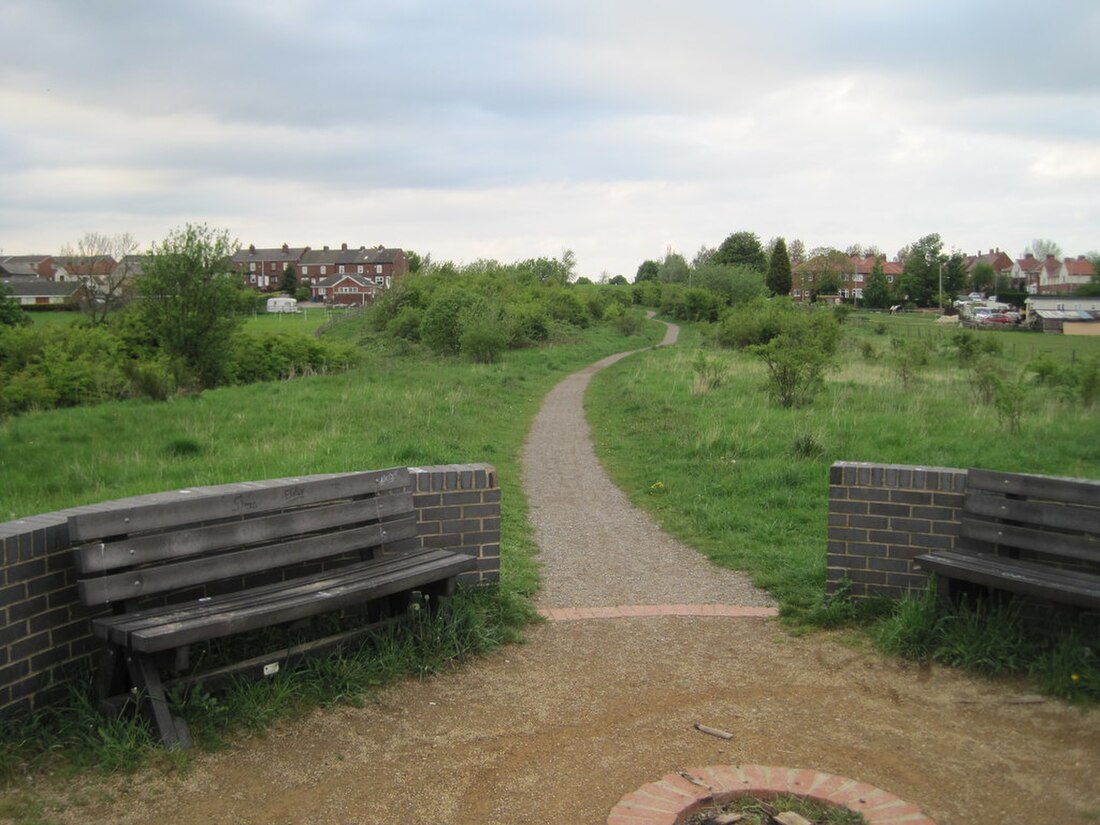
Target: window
324	269
859	277
378	279
305	269
798	293
359	269
340	269
859	294
378	269
252	267
889	279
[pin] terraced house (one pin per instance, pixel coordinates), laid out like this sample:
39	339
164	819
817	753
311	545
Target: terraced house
341	276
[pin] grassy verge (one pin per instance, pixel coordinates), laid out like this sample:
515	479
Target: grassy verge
398	410
689	434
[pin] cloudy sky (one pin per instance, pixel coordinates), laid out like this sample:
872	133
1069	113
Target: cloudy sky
517	128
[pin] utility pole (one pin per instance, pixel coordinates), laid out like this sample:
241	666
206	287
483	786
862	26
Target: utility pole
941	287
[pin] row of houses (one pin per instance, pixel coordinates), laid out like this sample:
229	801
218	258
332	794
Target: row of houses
335	276
850	273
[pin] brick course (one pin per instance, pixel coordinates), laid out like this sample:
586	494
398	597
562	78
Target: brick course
883	515
45	633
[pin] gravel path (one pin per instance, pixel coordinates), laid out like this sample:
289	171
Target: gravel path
595	547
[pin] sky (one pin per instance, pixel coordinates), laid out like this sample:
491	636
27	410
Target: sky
513	129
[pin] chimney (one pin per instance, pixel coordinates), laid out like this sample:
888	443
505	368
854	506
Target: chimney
252	249
343	247
326	247
286	248
1050	256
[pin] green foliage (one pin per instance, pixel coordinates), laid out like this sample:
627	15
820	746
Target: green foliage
877	292
11	314
1010	399
189	299
921	278
673	269
779	269
908	357
647	271
709	372
689	303
742	249
289	282
285	355
732	285
441	322
992	639
618	280
796	368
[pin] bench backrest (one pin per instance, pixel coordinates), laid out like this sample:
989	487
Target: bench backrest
1052	517
194	540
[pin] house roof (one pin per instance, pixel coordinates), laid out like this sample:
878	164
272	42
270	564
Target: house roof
995	258
358	280
24	259
285	253
8	267
33	287
359	255
1080	266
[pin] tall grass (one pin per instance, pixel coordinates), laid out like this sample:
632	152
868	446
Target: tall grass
746	481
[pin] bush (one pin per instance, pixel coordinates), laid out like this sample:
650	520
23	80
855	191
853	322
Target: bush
440	324
286	355
796	368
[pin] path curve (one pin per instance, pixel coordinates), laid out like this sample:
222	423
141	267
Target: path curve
596	548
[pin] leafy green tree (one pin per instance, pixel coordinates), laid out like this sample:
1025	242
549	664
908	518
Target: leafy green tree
877	292
983	278
779	269
742	249
188	299
647	271
289	282
924	262
823	272
11	314
617	280
673	269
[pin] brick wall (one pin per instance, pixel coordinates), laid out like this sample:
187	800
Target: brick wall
45	635
881	516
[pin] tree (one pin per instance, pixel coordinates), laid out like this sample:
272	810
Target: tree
824	271
105	291
703	256
11	314
742	249
189	299
921	270
877	292
413	260
779	269
617	280
673	269
647	271
983	277
796	250
1041	247
289	282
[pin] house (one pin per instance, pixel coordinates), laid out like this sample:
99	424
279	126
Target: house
264	268
87	266
30	290
838	274
1066	314
348	289
1052	276
378	264
39	266
1001	263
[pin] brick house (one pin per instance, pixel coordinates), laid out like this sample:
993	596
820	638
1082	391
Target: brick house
1002	264
39	266
348	289
376	264
850	273
263	268
30	290
1052	276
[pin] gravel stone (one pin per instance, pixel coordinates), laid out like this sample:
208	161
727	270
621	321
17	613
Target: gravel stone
596	548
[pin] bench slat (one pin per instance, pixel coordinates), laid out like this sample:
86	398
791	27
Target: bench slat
1069	490
1038	513
1048	542
170	510
164	577
177	625
1068	586
102	557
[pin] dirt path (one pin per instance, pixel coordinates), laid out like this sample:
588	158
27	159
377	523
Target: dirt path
556	731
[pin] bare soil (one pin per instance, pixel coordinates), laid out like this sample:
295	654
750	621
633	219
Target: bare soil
558	729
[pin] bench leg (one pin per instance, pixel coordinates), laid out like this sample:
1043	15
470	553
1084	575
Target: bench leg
172	730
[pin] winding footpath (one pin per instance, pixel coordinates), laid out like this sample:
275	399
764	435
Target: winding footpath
601	556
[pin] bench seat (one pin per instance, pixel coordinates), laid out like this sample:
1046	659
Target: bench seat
1034	535
171	626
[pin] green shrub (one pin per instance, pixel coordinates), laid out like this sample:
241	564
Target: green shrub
405	324
440	324
564	305
483	335
909	357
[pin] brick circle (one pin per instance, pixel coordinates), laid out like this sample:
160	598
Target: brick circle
676	796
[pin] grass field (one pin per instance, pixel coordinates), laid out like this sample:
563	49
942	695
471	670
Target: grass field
395	411
747	482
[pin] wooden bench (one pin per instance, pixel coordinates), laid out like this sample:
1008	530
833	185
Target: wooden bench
1034	535
197	567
